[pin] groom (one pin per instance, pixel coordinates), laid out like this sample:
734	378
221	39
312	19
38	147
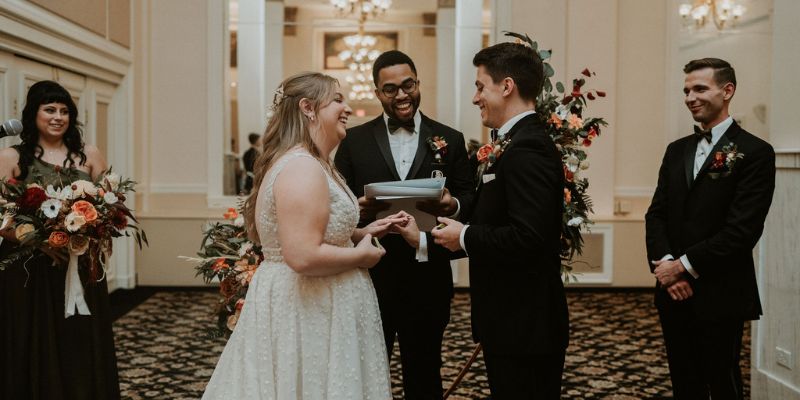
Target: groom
413	280
519	309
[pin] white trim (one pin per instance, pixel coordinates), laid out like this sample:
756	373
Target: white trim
222	201
217	11
634	191
606	276
178	188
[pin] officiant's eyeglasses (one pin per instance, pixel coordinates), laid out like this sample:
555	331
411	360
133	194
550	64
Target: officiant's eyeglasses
408	87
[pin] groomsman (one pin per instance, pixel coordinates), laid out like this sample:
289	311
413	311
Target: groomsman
707	214
413	280
519	309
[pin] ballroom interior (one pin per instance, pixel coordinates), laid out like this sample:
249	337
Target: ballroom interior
169	90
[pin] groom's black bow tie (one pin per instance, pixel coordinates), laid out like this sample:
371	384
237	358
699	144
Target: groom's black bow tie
702	134
395	124
493	135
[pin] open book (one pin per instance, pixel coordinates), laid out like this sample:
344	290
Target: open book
404	195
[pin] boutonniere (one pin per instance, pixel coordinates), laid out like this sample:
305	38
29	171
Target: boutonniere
723	162
439	147
489	153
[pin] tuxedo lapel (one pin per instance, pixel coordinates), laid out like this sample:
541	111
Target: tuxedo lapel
688	160
379	131
423	149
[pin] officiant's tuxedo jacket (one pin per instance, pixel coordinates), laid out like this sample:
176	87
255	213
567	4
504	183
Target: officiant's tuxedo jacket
513	241
364	157
715	220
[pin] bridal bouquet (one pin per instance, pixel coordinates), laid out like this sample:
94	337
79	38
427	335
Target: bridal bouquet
78	218
562	113
228	256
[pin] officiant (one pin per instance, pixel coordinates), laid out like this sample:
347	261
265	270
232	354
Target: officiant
413	281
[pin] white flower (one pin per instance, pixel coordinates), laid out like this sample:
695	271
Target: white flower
74	222
82	187
585	164
7	220
572	162
64	193
110	198
575	221
51	207
239	221
112	180
245	248
562	111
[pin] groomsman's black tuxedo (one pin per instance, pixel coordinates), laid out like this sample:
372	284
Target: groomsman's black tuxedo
716	222
414	297
519	309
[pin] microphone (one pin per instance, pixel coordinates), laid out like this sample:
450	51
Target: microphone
11	127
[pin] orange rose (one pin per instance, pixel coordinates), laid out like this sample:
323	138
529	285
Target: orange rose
58	239
483	152
231	214
85	209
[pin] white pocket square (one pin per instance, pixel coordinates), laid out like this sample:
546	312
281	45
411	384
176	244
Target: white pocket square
488	178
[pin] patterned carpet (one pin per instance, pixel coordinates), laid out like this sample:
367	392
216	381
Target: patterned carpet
616	350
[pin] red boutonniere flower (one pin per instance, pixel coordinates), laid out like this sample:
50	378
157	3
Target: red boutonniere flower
723	162
439	147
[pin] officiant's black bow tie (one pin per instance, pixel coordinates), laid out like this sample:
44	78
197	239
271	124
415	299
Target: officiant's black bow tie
493	135
700	133
395	124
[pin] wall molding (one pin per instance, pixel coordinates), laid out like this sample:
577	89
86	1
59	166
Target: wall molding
187	188
606	275
634	191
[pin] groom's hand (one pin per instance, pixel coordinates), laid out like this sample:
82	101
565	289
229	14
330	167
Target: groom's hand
668	271
449	235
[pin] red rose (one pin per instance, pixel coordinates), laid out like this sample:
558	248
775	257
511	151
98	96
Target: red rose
32	199
484	151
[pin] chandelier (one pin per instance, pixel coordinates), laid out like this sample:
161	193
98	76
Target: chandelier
723	13
360	52
362	7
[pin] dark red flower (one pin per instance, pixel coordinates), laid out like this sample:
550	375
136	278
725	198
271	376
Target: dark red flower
576	91
32	199
568	175
586	72
590	96
119	220
566	100
600	93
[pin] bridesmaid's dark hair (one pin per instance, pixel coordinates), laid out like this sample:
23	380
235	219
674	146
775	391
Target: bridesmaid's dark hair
46	92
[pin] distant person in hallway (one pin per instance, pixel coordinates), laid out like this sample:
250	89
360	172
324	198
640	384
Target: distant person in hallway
44	355
714	191
414	281
513	239
249	161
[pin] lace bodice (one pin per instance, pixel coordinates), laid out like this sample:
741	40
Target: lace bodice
343	210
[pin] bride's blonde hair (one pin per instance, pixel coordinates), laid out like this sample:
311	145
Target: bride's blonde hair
289	128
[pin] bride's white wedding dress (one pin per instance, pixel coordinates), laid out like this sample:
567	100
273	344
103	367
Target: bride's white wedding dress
303	337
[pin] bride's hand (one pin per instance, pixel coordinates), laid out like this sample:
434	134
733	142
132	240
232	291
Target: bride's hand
408	230
370	253
378	228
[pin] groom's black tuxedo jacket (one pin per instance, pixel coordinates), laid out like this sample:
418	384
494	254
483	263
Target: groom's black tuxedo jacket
715	221
364	157
513	241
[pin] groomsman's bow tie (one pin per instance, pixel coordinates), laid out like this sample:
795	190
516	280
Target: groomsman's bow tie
700	133
395	124
493	134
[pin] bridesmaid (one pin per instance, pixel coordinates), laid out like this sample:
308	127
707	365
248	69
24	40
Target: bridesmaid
43	355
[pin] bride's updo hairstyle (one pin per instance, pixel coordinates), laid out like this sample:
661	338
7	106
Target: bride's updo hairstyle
287	128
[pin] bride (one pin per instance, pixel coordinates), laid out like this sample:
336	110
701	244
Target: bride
310	328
